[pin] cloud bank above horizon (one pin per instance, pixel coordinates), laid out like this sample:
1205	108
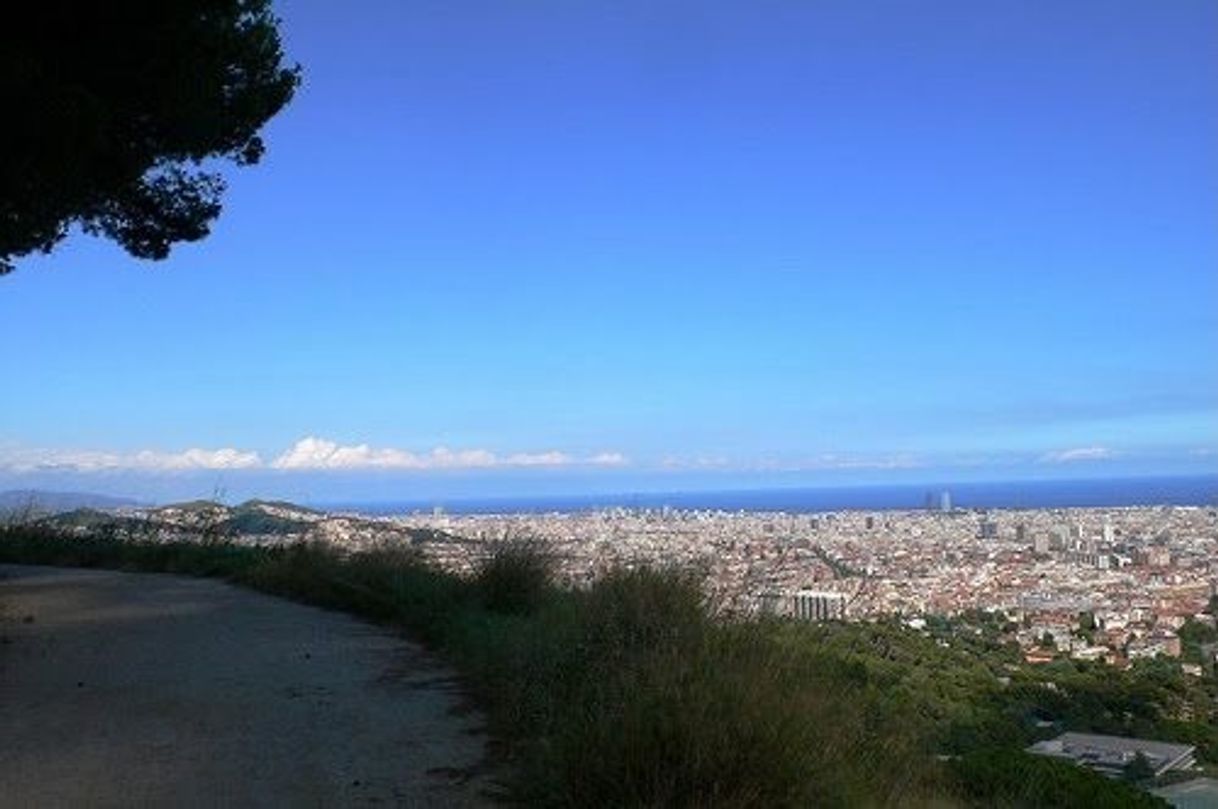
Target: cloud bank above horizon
307	454
1079	454
314	454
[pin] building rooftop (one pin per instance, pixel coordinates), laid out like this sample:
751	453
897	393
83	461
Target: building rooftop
1112	754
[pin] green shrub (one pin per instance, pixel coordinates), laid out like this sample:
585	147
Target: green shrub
516	577
730	718
1013	779
637	695
643	609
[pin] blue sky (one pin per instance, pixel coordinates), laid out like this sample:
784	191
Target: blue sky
501	248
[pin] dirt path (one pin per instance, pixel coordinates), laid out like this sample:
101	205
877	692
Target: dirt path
134	689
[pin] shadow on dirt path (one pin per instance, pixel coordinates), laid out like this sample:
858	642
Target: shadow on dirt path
137	689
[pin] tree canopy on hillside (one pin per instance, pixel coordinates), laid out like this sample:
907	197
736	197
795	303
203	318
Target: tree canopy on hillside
116	114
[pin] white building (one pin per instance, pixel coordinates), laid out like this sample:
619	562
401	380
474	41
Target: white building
806	605
1111	754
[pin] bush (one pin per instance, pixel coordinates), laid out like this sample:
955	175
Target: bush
638	696
728	719
1014	779
643	609
516	577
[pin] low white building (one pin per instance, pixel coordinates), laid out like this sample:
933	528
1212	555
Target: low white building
805	605
1110	755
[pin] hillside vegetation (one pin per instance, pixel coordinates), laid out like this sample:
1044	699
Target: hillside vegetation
634	693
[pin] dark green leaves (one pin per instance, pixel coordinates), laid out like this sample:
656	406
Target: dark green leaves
109	108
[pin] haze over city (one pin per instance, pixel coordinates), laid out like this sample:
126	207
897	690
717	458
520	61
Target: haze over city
564	248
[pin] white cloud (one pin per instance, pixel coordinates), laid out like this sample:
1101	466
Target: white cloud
226	458
823	462
444	458
552	458
318	453
309	453
676	462
831	461
608	459
1078	454
31	460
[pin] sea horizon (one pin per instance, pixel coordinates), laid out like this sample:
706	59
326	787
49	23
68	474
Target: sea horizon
1123	492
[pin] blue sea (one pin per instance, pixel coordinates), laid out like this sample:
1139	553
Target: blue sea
1151	491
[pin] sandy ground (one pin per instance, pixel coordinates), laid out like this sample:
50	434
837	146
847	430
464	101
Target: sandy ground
134	690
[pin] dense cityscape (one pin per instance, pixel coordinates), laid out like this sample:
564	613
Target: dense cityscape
1111	584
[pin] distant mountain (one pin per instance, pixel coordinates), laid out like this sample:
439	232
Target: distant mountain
282	505
253	517
41	501
191	507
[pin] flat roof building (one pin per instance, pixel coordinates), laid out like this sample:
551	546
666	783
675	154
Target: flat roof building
1111	754
807	605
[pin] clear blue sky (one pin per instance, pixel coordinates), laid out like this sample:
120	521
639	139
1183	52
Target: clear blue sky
634	245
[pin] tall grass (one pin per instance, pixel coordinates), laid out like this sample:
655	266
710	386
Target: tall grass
632	694
516	577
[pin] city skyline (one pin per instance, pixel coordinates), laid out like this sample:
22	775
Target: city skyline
641	247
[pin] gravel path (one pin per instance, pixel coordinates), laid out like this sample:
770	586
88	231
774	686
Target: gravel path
142	690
